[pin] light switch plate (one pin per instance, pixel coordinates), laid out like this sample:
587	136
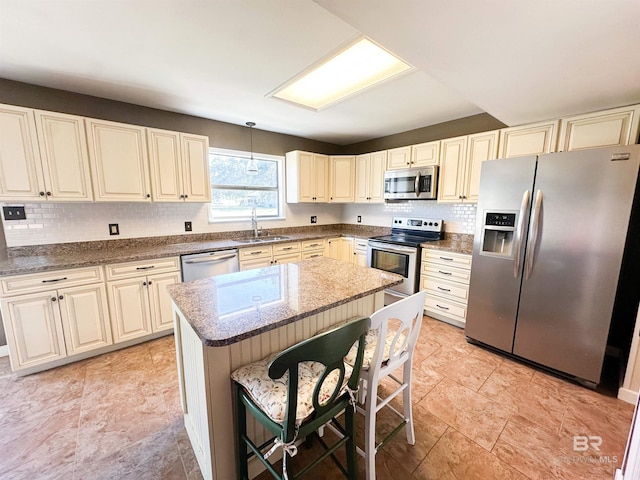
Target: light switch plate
314	219
187	226
14	213
114	229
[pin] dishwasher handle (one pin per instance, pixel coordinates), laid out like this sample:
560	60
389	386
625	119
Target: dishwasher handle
210	259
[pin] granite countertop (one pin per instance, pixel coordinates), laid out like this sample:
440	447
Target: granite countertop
228	308
40	258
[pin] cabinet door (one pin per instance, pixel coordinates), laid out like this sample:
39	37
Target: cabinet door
363	166
321	177
307	177
85	318
129	307
195	168
376	176
425	154
601	129
398	158
452	165
20	167
255	263
118	155
65	161
287	258
33	328
165	165
332	248
343	172
480	147
531	139
159	300
345	249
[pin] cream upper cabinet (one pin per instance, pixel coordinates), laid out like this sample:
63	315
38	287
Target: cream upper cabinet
532	139
398	158
452	169
20	167
370	169
425	154
119	165
480	147
342	174
608	128
43	155
307	177
179	166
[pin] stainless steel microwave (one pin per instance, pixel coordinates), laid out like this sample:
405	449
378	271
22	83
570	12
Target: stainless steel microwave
411	184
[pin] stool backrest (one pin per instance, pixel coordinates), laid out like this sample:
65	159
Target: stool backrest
329	349
398	327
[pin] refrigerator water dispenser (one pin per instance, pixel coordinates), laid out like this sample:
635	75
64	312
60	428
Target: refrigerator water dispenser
498	234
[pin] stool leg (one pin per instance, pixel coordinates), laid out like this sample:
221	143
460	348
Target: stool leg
349	424
370	433
242	467
406	402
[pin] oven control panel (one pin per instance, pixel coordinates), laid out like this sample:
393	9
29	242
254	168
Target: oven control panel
419	224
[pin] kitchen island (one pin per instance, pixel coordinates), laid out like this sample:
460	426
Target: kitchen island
224	322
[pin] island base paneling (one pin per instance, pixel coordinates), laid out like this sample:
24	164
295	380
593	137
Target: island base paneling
205	384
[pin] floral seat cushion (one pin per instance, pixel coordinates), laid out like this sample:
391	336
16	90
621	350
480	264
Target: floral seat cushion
371	340
271	395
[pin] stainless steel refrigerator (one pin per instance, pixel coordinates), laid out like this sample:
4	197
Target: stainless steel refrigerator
555	268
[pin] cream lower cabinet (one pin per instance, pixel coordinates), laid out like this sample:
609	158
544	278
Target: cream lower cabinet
267	255
51	315
139	302
311	249
340	248
445	276
360	252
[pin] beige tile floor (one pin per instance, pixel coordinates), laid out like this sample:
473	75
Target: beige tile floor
477	416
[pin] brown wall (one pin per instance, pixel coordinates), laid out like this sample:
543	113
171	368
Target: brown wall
482	122
221	134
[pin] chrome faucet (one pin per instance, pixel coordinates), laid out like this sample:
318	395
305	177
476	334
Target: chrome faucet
254	222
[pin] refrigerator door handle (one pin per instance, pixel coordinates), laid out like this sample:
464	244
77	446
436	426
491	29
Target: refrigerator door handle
533	235
526	198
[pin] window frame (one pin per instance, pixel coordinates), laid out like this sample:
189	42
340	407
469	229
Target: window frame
279	159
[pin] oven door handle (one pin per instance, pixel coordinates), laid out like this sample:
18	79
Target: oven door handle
392	248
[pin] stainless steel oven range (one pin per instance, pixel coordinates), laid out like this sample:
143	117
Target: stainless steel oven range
400	252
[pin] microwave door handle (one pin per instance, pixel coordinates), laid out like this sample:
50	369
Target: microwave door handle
417	184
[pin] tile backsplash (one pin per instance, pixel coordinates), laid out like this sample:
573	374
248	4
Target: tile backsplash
48	223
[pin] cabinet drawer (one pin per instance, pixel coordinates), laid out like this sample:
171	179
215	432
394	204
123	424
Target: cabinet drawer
448	290
442	257
38	282
445	307
445	272
361	245
286	258
143	267
280	248
255	252
317	253
309	245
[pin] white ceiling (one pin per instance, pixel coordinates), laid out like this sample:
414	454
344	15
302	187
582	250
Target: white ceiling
519	60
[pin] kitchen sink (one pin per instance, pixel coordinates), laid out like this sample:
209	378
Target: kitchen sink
263	239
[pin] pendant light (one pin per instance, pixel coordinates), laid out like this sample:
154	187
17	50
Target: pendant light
252	166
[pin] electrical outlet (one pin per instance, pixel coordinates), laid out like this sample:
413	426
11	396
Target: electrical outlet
187	226
114	229
314	219
14	213
359	218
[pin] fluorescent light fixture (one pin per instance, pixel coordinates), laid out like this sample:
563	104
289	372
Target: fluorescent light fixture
353	69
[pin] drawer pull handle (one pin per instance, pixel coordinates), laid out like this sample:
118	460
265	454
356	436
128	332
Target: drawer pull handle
314	255
256	253
314	245
54	280
444	289
287	248
447	259
145	268
440	306
445	273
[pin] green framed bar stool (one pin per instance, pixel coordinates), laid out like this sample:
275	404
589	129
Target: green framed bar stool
295	392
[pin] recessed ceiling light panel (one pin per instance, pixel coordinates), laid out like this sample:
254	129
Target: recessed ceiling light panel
359	66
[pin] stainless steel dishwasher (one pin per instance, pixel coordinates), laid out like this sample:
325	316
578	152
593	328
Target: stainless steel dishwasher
209	264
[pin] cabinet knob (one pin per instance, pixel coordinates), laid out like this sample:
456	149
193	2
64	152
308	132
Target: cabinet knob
41	194
148	195
408	163
186	196
144	284
48	194
150	282
53	299
181	196
460	197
